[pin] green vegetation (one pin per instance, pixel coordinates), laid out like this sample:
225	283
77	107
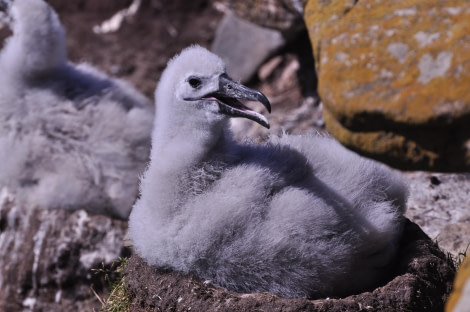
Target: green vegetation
118	300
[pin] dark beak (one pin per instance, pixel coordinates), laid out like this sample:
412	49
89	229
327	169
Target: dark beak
231	91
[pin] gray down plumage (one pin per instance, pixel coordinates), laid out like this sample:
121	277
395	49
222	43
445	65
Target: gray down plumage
297	216
70	136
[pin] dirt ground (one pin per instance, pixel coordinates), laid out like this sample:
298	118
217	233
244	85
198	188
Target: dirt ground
140	49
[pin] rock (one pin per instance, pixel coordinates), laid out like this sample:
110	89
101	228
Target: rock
455	237
296	107
282	15
251	31
244	46
394	79
290	85
439	204
51	259
423	281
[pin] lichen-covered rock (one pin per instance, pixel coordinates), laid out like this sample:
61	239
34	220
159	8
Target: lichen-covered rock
423	281
51	259
394	79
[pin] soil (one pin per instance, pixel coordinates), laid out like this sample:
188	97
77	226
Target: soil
139	50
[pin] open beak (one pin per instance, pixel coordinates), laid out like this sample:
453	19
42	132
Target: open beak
228	96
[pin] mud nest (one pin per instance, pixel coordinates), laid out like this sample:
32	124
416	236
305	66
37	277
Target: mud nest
422	282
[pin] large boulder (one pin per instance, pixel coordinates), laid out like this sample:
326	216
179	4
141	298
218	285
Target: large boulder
423	281
394	79
54	260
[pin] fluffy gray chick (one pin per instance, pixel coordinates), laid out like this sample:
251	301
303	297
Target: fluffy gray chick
298	216
70	136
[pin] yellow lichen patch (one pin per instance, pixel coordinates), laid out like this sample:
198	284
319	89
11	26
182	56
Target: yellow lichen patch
407	61
319	15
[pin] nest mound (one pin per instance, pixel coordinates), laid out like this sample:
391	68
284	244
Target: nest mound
423	281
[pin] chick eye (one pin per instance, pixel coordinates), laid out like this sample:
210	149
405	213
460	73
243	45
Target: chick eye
195	82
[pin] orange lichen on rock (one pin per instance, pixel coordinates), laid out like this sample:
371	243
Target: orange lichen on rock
396	68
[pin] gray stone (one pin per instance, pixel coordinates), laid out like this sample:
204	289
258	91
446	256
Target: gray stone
439	203
244	46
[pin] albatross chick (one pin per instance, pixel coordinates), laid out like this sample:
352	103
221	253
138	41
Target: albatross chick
297	216
70	137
